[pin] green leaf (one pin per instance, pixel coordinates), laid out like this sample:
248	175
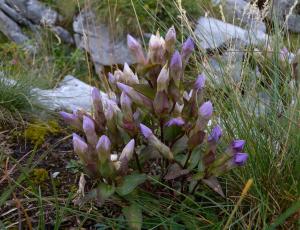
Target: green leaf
145	89
180	145
198	176
100	194
195	158
104	191
172	132
130	183
133	214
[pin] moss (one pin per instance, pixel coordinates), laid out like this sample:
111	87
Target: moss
37	132
39	176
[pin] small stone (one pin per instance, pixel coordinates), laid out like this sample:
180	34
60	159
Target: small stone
55	174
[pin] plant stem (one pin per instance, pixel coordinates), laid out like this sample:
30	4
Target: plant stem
194	189
188	158
175	140
177	162
137	161
162	130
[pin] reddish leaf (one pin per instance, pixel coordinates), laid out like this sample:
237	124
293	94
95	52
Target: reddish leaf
209	158
213	183
196	139
175	171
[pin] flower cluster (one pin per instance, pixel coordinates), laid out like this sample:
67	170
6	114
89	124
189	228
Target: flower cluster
154	116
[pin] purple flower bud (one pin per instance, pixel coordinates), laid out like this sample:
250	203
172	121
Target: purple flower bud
124	87
80	147
112	79
187	49
96	96
206	110
109	113
215	134
240	159
103	148
89	130
88	124
136	48
178	121
128	151
163	79
170	39
132	42
67	116
145	131
125	100
118	74
126	103
135	96
71	119
161	103
176	68
200	82
238	145
176	62
156	49
128	75
98	109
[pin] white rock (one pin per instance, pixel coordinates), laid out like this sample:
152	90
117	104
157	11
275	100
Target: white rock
214	33
71	94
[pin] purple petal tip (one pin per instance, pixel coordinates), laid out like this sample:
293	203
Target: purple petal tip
206	110
176	59
240	159
238	145
103	143
188	44
200	82
123	87
88	123
145	131
175	121
215	134
96	94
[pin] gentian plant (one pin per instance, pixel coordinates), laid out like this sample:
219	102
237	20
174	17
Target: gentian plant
154	125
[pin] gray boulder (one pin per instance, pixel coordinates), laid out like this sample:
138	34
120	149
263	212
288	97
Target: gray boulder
288	14
30	13
226	67
11	29
214	33
99	41
244	14
35	11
